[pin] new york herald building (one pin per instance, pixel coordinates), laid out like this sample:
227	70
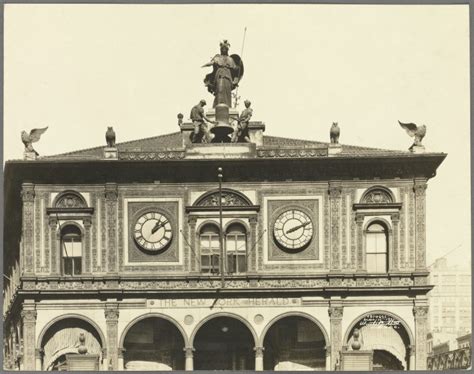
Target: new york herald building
115	261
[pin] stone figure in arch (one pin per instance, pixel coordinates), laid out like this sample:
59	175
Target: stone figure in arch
225	76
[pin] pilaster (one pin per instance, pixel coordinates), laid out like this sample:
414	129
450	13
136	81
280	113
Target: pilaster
193	258
335	317
420	312
55	251
87	221
419	189
111	318
395	251
28	198
252	257
111	200
360	268
335	202
28	316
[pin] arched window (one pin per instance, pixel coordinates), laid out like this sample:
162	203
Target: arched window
376	248
210	248
71	250
236	248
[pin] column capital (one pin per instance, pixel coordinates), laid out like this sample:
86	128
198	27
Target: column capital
111	313
28	192
87	221
328	350
39	352
395	217
420	311
359	218
120	352
29	315
253	220
192	220
53	221
419	187
335	312
111	191
188	352
259	351
335	189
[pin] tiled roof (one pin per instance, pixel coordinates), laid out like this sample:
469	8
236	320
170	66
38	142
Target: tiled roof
173	141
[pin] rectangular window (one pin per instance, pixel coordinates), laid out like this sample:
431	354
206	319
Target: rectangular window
236	248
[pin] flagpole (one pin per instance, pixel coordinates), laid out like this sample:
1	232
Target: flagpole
221	234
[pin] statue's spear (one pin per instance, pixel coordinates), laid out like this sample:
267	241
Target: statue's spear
236	94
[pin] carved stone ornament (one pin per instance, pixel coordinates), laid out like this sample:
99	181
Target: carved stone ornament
111	192
377	196
420	311
229	198
28	193
188	352
259	351
111	314
29	315
70	200
335	311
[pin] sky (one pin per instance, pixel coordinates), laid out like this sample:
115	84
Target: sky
81	68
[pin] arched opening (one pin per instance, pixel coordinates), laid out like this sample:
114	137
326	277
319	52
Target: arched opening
209	245
67	339
236	248
71	250
386	336
294	343
224	343
153	344
376	247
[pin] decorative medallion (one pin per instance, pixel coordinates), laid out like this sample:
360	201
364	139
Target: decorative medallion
293	230
377	196
153	232
258	319
188	319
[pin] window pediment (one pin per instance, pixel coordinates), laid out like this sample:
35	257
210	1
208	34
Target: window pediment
231	200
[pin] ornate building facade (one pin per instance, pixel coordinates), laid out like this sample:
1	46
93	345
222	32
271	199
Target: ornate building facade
114	255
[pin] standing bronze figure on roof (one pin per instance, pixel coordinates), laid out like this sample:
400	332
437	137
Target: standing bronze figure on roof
226	73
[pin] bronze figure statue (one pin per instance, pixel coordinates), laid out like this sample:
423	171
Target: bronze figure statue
334	133
225	76
241	134
417	132
110	137
201	132
33	137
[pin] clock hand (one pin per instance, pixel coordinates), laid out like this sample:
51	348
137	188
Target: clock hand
293	229
158	226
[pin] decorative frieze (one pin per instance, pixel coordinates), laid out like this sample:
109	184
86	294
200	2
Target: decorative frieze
28	317
420	313
151	156
419	189
335	318
335	192
111	196
111	313
292	152
396	223
28	197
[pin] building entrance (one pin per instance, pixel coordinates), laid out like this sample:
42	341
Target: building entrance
153	344
224	343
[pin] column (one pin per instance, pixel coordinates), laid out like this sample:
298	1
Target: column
419	189
111	319
259	358
39	358
193	256
411	354
121	365
28	316
28	197
335	317
111	198
188	358
360	244
252	257
335	192
55	252
328	358
394	254
420	313
87	221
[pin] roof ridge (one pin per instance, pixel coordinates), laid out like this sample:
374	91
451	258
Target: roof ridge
117	144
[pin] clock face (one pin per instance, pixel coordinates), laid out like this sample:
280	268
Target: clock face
293	229
153	231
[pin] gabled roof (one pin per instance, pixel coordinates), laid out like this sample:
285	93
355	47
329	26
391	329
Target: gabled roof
173	142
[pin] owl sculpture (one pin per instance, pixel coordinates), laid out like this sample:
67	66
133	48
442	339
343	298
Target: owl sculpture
334	133
110	137
32	137
417	132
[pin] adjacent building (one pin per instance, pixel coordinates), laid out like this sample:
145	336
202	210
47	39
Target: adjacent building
114	261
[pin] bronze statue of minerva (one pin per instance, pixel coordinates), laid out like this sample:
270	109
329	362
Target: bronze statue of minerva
226	73
334	133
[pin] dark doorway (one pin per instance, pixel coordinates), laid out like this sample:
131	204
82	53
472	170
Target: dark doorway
224	343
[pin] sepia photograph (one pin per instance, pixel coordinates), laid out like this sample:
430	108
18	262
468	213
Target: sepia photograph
259	187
